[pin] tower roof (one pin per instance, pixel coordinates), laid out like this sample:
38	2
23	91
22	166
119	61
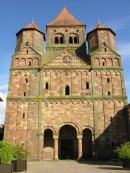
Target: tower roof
31	26
99	26
65	18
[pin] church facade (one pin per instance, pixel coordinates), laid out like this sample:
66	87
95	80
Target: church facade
67	103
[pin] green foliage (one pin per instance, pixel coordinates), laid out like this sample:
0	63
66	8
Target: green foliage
123	151
6	152
20	153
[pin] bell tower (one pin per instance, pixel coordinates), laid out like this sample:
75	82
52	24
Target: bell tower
66	33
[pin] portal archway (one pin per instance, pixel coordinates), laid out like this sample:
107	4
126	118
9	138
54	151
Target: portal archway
48	153
87	144
68	146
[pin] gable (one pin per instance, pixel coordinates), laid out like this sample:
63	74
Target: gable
66	60
105	56
105	51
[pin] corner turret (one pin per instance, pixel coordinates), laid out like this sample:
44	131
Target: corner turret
101	35
32	36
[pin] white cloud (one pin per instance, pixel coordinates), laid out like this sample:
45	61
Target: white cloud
2	107
118	24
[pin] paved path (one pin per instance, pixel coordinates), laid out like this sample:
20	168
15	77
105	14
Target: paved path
69	166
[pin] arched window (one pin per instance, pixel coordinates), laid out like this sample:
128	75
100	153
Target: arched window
67	90
61	40
108	80
48	138
109	93
23	115
24	93
26	80
103	63
16	62
30	63
70	40
56	40
22	62
47	86
96	62
87	85
75	39
105	49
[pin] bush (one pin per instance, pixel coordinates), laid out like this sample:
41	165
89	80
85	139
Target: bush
20	153
123	151
6	152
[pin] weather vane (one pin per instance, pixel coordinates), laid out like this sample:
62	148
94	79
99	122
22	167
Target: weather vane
99	21
32	20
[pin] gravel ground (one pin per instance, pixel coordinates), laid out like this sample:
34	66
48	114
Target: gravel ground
69	166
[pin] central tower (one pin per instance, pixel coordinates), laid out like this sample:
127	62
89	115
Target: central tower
65	33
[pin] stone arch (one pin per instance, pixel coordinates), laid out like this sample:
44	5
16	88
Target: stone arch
68	143
102	62
36	62
22	62
87	142
16	62
116	62
59	38
69	123
48	143
29	62
73	38
109	62
96	61
88	127
49	127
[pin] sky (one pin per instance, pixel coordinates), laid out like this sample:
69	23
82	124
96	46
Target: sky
14	15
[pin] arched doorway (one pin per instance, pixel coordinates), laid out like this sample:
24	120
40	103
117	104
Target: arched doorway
48	138
87	144
48	153
68	142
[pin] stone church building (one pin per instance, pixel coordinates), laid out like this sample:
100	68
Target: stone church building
66	102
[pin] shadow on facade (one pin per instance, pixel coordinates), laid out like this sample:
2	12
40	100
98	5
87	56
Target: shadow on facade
82	53
115	134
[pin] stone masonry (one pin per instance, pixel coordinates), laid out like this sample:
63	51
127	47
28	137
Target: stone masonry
66	103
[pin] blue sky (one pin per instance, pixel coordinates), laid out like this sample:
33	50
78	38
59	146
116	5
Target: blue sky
15	14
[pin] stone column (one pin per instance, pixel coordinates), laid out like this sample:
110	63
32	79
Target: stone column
56	137
79	137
